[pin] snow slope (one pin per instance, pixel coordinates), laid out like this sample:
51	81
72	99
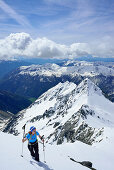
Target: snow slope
101	155
10	156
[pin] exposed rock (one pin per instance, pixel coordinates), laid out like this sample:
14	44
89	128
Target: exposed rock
72	130
84	163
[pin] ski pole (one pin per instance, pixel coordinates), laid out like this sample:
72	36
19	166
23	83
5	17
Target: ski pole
44	152
23	138
44	148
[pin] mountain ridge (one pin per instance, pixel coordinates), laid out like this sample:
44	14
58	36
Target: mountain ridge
65	113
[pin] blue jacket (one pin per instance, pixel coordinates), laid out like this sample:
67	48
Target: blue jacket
32	138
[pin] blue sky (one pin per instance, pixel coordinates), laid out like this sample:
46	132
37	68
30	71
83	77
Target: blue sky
56	28
63	21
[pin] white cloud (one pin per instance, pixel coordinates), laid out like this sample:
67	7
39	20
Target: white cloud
21	44
14	45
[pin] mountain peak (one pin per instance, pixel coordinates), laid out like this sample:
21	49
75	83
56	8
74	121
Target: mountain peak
68	113
89	87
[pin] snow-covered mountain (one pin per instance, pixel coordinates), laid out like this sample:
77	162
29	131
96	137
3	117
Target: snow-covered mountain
67	113
78	121
32	81
74	68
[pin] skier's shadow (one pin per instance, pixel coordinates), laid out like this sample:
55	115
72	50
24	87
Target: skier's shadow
41	164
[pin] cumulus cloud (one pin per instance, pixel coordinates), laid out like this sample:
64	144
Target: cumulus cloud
22	44
14	45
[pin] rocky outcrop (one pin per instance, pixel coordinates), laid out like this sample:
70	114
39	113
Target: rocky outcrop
73	130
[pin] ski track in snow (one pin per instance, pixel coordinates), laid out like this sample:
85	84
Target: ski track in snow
41	164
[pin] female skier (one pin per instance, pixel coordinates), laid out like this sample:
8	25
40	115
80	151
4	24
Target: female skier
33	142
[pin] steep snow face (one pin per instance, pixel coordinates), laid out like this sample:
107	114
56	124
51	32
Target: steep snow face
67	113
96	100
49	98
89	87
81	68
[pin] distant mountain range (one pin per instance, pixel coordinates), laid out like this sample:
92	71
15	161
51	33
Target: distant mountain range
94	59
34	80
7	66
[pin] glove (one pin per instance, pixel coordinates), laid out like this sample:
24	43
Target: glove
42	138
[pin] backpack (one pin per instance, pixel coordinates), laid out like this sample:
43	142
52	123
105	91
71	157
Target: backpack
30	133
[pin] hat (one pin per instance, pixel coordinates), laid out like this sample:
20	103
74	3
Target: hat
32	128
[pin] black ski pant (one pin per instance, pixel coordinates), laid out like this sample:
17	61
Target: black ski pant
34	150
